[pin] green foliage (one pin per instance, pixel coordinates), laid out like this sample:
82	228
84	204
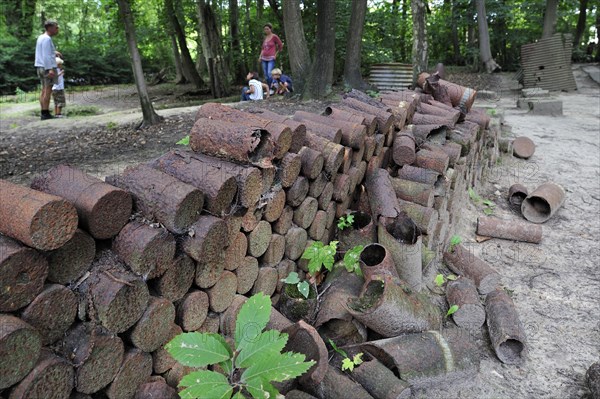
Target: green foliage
345	221
320	255
351	260
349	364
84	110
452	310
184	141
112	125
454	241
474	196
303	286
440	279
338	350
488	205
256	361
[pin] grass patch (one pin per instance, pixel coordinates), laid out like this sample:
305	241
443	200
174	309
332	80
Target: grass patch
83	110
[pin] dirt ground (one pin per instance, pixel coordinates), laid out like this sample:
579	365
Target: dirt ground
555	285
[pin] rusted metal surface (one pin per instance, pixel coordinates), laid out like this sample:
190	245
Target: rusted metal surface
338	113
437	161
42	221
547	63
233	142
298	129
23	271
161	197
426	119
312	162
209	239
461	260
517	194
303	338
416	174
419	193
391	76
523	147
103	209
505	328
376	260
428	109
326	131
353	134
384	119
52	377
382	196
432	357
332	153
20	344
516	230
543	202
280	133
444	91
463	293
391	309
404	148
425	218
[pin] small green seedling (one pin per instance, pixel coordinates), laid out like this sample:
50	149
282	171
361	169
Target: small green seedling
489	207
112	125
184	141
247	369
303	286
347	363
351	260
441	280
454	241
320	255
474	196
452	310
345	221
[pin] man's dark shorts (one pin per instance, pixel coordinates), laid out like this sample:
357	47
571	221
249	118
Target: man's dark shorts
44	79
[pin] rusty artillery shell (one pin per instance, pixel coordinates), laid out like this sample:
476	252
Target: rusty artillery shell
505	328
303	338
232	142
463	293
280	133
517	194
433	160
480	117
42	221
425	119
384	118
103	209
420	175
382	197
425	218
23	271
20	345
523	147
465	263
402	238
404	149
428	109
541	204
376	260
312	162
326	131
52	377
516	230
298	129
419	193
332	153
336	385
353	116
380	381
392	309
353	134
162	197
593	379
362	232
431	357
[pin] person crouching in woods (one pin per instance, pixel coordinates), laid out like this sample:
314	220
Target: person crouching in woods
58	90
256	89
280	83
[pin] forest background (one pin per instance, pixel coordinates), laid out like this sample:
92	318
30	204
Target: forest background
213	43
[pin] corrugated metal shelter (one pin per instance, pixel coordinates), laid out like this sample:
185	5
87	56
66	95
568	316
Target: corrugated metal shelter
546	64
392	76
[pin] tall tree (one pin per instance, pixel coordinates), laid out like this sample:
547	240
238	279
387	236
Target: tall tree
212	50
275	8
352	74
456	55
395	31
419	50
550	18
581	23
239	71
150	116
296	43
187	64
179	77
321	75
485	51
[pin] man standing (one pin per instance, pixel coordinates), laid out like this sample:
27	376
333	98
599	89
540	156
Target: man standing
45	64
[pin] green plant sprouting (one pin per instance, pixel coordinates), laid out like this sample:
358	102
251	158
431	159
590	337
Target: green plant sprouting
488	204
250	367
440	279
184	141
454	241
452	310
303	286
345	221
320	255
347	363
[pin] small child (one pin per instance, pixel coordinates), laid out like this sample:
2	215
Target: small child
280	83
256	90
58	90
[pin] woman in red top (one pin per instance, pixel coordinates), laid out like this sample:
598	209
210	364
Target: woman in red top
270	47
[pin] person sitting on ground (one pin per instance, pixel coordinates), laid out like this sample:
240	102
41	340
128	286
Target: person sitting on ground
58	90
280	83
255	89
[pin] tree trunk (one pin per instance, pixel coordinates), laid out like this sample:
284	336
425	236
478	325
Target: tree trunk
457	57
395	31
403	42
150	117
296	42
581	23
26	21
484	39
188	66
179	78
550	18
260	6
321	76
213	51
419	50
352	75
239	71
